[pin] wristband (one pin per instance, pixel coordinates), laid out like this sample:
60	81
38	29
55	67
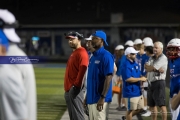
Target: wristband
103	96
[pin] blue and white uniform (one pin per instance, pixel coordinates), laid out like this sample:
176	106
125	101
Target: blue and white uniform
174	83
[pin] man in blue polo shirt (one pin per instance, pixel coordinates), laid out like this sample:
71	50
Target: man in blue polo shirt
131	76
128	43
99	79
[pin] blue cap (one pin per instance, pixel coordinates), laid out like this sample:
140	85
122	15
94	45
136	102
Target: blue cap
101	35
3	39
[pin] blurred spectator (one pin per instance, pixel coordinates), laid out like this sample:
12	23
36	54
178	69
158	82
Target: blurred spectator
45	50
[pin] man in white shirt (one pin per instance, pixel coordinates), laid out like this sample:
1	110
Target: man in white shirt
18	87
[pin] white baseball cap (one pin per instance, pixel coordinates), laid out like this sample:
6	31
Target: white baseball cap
129	43
147	41
137	41
89	38
130	50
119	47
9	18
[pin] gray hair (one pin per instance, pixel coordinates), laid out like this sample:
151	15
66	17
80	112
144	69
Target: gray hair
160	44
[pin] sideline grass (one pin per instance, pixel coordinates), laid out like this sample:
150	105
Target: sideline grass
50	93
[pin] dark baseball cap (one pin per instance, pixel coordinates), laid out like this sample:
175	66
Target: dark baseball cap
73	34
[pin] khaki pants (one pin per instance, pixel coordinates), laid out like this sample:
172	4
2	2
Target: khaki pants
135	103
94	114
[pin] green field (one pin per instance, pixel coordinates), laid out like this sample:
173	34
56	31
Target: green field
50	93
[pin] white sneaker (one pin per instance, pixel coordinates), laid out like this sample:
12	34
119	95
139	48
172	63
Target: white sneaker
147	114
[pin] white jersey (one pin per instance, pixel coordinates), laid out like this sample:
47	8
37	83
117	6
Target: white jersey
27	73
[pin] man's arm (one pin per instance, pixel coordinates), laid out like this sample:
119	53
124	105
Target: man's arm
132	79
175	101
158	66
115	69
107	84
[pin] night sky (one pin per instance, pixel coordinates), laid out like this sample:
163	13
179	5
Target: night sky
88	12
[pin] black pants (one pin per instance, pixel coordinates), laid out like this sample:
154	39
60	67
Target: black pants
74	100
156	94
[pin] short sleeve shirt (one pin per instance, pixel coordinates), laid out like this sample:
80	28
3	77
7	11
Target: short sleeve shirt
131	69
160	62
101	64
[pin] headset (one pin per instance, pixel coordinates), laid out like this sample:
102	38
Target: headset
7	25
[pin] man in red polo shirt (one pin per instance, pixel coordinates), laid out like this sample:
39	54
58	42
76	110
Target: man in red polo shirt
75	70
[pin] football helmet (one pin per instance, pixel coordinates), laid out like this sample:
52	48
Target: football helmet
173	48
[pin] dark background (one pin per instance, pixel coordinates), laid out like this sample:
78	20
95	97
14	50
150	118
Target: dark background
65	12
86	12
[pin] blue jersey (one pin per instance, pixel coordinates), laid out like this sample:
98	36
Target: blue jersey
178	118
101	64
174	67
141	60
131	69
118	62
119	70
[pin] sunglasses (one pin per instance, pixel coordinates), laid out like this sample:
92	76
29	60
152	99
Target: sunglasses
133	54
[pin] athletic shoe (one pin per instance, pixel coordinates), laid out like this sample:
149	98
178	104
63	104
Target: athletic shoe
123	118
146	114
118	108
123	108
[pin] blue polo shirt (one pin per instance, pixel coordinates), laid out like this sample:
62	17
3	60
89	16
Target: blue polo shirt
131	69
174	67
141	60
118	63
100	65
120	69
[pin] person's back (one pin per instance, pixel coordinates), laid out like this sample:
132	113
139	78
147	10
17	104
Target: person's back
8	35
10	80
27	73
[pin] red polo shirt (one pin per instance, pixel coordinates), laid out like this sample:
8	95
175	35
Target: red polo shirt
76	68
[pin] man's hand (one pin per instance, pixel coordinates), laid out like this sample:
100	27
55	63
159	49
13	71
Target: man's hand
84	103
100	104
143	78
149	68
161	70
